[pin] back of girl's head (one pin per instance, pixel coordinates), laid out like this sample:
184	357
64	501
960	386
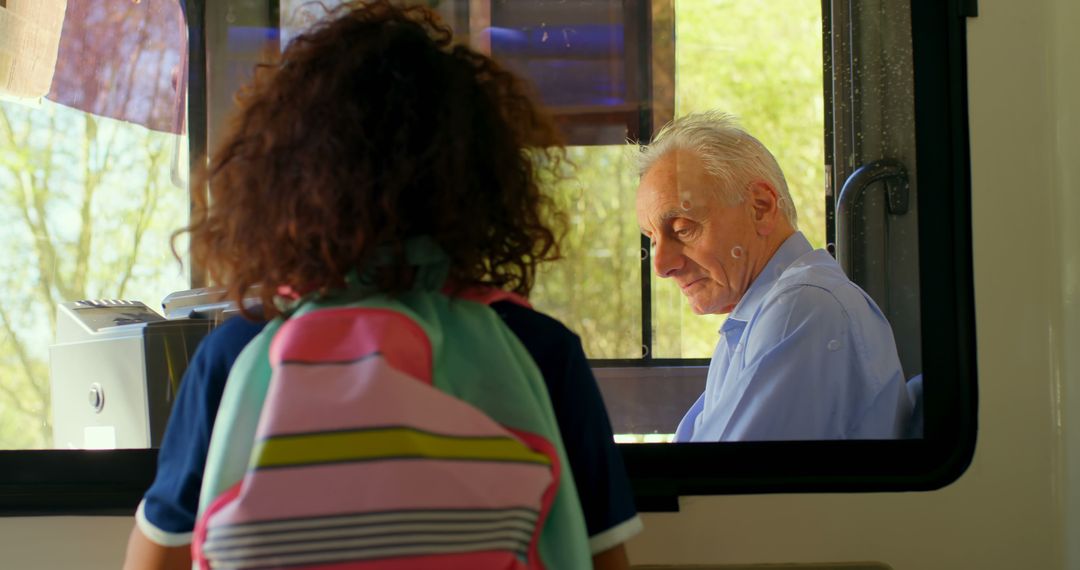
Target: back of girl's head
372	128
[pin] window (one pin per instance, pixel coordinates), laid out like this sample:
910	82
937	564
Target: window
898	217
88	200
93	180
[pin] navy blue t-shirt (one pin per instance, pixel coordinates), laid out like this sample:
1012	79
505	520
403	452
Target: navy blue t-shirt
167	512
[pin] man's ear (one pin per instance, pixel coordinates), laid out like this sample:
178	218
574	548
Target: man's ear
764	204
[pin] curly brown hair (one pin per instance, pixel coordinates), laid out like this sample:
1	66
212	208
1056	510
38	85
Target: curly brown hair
371	128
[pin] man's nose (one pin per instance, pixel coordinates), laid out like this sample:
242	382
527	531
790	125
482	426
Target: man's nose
667	258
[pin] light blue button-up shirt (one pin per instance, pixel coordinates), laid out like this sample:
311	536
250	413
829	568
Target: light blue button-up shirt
805	354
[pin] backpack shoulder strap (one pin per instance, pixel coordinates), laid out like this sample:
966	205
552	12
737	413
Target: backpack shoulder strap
488	295
483	362
237	417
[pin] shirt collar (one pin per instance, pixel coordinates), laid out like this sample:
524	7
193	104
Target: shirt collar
794	247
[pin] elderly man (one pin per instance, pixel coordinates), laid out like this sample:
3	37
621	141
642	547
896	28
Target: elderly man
804	352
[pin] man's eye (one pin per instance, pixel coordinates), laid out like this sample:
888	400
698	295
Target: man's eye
683	233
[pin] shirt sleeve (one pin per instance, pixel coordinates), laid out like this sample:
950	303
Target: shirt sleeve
166	514
607	500
801	372
599	474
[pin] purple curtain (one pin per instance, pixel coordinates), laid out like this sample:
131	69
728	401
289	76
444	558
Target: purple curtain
126	60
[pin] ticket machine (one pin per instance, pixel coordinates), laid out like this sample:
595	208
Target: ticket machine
116	367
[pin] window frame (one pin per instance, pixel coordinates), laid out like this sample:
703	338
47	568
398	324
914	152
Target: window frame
660	473
52	482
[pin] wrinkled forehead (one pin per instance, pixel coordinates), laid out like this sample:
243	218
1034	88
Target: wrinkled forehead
675	183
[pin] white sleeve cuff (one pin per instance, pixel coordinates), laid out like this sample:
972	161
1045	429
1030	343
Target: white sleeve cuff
615	535
155	534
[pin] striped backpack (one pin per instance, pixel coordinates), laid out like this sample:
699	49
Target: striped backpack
413	432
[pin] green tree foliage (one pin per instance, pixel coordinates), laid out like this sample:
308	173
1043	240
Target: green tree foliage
596	289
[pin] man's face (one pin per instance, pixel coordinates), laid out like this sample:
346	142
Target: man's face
709	247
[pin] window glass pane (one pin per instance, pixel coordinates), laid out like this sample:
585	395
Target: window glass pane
761	62
88	201
596	289
758	61
874	165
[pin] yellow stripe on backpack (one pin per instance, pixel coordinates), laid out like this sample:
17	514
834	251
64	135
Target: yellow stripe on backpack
388	443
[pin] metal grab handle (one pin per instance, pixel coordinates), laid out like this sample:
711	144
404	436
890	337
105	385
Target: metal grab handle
854	188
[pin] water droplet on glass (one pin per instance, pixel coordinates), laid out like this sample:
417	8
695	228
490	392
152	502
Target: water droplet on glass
644	254
686	204
833	346
644	351
737	252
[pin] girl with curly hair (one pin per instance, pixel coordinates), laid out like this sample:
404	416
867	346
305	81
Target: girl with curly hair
373	130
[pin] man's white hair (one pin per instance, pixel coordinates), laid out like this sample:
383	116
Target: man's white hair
733	157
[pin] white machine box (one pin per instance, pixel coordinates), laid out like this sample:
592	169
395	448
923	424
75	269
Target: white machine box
115	370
